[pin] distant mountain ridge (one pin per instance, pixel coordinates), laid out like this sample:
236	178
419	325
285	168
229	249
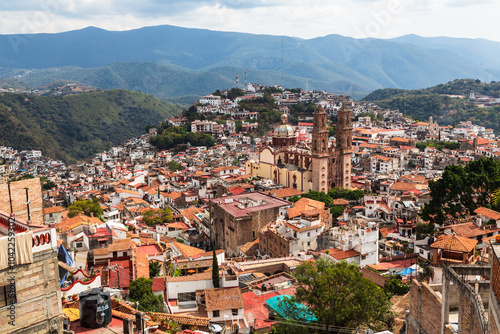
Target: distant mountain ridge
196	61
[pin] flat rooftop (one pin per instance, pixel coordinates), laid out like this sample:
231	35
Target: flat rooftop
244	204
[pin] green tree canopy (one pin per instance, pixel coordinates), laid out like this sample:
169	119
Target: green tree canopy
174	166
350	195
191	113
85	206
338	295
156	217
154	269
215	269
140	291
461	190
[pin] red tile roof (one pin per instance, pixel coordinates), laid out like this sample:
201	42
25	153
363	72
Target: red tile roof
455	243
492	214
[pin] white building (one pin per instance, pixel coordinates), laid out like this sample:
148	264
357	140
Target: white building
209	127
359	236
210	100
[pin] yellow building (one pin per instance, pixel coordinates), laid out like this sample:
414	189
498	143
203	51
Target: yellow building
319	167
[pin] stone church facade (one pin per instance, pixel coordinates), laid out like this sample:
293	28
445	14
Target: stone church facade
317	167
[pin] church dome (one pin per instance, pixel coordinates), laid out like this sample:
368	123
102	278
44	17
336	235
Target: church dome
284	134
284	130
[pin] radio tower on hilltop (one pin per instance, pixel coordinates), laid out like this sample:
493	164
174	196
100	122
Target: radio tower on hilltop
246	84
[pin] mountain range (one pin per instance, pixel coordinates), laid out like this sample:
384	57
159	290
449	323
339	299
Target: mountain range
171	61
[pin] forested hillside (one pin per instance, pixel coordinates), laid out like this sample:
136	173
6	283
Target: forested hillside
447	110
74	127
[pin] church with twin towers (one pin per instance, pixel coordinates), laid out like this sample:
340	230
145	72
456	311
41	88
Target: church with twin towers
319	166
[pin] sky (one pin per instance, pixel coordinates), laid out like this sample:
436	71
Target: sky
299	18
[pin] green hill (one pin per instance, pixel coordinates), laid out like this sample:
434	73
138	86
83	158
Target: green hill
75	127
434	101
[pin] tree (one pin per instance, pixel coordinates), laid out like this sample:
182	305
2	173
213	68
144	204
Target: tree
461	190
85	206
154	269
156	217
140	291
191	113
338	295
174	166
350	195
215	269
424	230
238	126
337	211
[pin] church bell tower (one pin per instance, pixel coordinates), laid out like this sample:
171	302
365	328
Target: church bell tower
319	151
343	147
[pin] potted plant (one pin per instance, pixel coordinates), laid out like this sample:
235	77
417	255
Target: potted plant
63	300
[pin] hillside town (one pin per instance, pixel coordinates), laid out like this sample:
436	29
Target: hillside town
219	231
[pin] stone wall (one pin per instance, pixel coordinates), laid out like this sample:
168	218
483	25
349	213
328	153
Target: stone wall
38	308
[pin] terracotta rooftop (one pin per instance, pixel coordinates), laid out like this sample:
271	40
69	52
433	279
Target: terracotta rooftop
304	204
189	212
223	299
181	319
284	192
338	254
492	214
471	230
187	251
455	243
53	209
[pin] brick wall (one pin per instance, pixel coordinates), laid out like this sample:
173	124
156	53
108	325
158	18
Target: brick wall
375	277
430	309
18	197
38	308
495	275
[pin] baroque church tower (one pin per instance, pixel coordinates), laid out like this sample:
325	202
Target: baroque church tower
320	152
341	173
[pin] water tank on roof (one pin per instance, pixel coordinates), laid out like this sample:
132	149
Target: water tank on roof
95	308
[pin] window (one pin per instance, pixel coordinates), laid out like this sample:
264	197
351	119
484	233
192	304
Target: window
7	294
308	243
216	314
186	297
308	234
79	245
234	311
125	254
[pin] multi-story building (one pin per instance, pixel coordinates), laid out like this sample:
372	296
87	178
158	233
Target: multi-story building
290	237
208	127
237	219
358	235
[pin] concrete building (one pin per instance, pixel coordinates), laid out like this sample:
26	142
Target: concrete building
358	235
290	237
237	219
